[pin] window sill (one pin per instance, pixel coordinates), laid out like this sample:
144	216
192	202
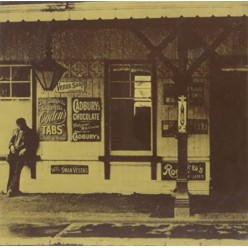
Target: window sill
3	158
130	158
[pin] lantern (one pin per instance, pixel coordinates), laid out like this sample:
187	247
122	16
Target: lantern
48	72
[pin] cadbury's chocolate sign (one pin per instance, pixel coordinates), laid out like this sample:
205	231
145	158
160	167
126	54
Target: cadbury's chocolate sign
52	119
86	119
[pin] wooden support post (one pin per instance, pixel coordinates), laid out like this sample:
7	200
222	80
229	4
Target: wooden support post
182	208
107	125
34	122
107	169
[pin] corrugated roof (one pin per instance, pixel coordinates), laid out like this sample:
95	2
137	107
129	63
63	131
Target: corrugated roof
61	11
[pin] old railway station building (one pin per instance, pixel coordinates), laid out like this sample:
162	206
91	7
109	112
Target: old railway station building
150	97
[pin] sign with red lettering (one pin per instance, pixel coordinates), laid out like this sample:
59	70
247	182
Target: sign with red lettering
86	119
52	119
196	171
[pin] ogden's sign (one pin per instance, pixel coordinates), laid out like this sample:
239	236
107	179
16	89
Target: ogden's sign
52	119
86	119
196	171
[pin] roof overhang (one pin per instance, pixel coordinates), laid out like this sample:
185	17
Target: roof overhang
243	68
63	11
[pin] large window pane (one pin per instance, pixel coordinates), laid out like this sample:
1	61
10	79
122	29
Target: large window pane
20	73
120	74
130	126
4	90
120	90
130	110
20	89
4	74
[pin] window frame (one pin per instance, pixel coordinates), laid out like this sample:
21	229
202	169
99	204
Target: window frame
11	82
123	64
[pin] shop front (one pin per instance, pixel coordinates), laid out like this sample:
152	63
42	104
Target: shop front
111	124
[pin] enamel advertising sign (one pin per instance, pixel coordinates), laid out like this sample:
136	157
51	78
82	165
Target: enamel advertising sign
196	171
86	119
52	119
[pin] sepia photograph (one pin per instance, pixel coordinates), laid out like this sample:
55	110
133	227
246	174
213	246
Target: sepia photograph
124	123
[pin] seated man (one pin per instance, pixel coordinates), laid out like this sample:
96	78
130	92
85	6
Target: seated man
23	146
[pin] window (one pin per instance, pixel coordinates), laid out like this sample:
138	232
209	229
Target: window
15	81
130	107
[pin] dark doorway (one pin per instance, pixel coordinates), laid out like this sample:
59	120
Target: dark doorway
228	122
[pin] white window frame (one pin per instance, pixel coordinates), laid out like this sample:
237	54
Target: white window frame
22	81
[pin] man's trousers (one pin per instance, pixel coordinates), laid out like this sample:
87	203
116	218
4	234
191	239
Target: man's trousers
16	164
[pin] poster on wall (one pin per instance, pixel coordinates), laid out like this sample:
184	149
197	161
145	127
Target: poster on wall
70	169
86	119
196	94
198	126
52	119
195	171
169	128
170	94
72	85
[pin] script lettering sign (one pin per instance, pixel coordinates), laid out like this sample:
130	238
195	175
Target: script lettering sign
52	119
195	171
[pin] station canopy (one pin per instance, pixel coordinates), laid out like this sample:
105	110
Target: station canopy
63	11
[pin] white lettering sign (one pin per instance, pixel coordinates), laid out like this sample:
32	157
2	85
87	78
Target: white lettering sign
72	85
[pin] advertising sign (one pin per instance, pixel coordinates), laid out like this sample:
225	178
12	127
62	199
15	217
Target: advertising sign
182	114
52	119
194	126
196	94
69	169
71	85
169	128
198	126
196	171
86	119
170	94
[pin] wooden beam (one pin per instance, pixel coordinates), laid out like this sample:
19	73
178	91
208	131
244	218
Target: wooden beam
210	49
156	51
168	39
200	39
